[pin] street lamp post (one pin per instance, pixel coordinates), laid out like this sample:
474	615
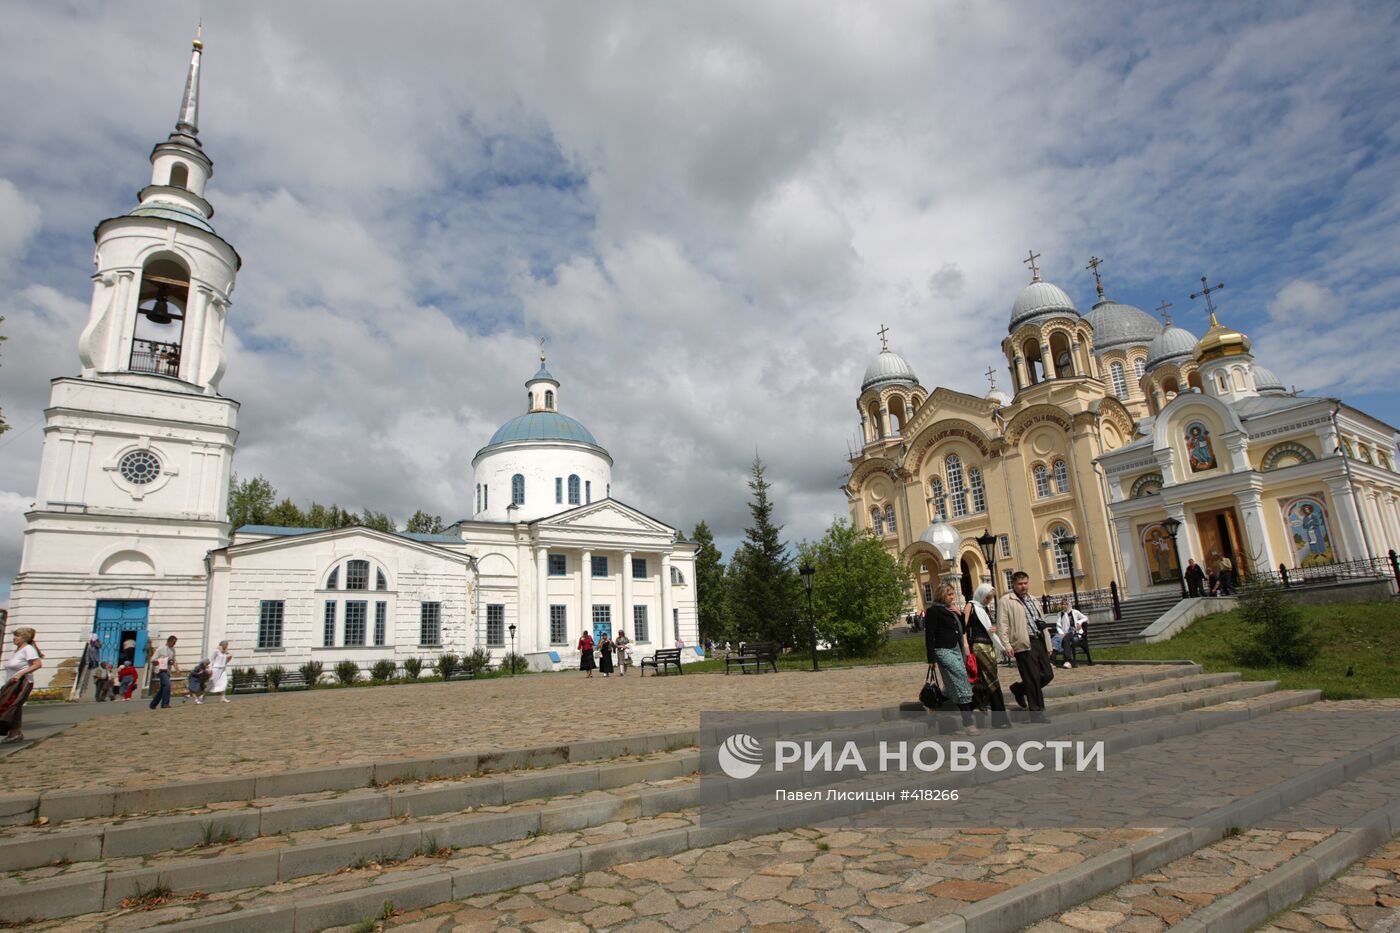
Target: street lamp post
808	572
988	543
1067	544
511	628
1172	526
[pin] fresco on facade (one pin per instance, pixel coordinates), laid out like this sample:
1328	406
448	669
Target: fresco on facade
1308	530
1199	451
1162	565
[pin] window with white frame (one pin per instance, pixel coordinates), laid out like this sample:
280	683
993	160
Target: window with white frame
1139	366
602	616
641	625
381	623
496	625
1120	379
517	489
486	496
558	625
357	574
381	582
573	490
1005	542
587	491
639	568
356	615
940	501
1061	558
1042	480
877	520
1006	575
328	625
889	520
1061	476
333	579
270	616
558	490
979	491
558	565
600	566
953	469
677	578
676	622
430	624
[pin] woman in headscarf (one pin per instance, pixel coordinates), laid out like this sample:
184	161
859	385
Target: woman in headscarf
946	645
19	681
987	648
585	653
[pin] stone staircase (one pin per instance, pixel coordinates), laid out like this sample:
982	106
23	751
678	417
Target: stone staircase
1137	614
607	832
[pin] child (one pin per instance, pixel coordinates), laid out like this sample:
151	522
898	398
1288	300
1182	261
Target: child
198	676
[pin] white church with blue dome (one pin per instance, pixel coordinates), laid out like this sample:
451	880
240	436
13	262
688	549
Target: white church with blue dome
128	537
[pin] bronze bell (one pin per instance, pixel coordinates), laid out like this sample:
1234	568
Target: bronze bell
160	312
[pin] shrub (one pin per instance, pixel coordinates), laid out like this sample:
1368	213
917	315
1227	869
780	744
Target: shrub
311	672
1276	634
249	675
347	672
447	665
274	676
383	669
477	662
514	661
412	667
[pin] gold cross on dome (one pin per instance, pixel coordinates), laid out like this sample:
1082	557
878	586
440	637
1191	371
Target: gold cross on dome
1205	291
992	377
1035	270
884	340
1166	315
541	351
1093	266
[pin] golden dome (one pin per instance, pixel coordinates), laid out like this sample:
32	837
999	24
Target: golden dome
1220	341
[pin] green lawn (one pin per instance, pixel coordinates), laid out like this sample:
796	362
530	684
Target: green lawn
1361	636
902	651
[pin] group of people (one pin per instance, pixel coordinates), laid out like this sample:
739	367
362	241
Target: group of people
209	675
1218	581
967	648
608	649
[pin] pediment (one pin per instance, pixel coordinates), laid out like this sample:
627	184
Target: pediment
608	515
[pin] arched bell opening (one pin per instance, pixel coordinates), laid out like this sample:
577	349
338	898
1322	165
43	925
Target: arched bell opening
160	317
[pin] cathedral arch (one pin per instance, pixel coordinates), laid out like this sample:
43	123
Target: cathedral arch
1060	353
495	565
1193	380
1035	366
1148	485
124	561
949	429
895	405
1047	415
877	426
875	466
158	333
179	175
1289	453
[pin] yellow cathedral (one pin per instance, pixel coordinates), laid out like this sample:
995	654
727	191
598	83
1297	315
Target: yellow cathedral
1119	429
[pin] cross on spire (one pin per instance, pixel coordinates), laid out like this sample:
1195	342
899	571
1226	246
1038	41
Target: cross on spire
991	378
1166	315
1093	266
884	340
1035	270
1205	291
541	351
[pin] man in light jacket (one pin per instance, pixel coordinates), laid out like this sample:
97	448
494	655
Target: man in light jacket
1070	628
1021	628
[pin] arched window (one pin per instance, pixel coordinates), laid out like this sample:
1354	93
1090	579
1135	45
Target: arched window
160	317
1061	558
957	492
357	575
573	490
1035	367
1194	381
677	578
979	492
179	175
517	489
1139	366
549	399
333	581
1061	476
1060	353
380	581
1042	481
877	521
889	519
940	501
1120	379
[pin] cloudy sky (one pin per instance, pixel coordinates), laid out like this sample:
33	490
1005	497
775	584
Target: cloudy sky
708	208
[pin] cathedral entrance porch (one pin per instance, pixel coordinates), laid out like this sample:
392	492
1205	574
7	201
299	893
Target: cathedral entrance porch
1220	534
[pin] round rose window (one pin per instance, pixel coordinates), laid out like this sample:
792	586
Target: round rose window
139	467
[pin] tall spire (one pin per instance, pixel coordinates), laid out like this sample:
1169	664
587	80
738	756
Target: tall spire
187	126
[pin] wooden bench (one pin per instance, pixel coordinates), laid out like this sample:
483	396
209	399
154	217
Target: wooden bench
756	655
659	661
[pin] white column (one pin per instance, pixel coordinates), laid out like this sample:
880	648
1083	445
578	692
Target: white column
1046	363
542	598
192	341
1256	538
1344	517
625	623
1392	534
666	636
1128	553
122	321
585	615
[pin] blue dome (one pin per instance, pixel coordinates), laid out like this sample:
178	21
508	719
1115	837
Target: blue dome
542	426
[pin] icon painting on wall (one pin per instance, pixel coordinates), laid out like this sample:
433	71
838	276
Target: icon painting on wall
1162	565
1309	531
1199	451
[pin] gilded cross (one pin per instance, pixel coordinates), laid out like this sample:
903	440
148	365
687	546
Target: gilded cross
541	351
1035	270
1166	315
884	341
1205	291
1093	266
992	377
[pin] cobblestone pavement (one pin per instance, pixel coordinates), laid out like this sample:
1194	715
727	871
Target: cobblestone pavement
1364	897
319	728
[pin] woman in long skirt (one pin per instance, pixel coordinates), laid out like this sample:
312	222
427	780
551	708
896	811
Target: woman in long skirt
585	653
19	681
218	671
605	655
946	645
987	648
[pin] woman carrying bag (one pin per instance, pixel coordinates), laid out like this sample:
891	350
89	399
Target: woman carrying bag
987	648
946	646
19	681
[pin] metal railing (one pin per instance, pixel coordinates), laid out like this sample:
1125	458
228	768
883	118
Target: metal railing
150	356
1373	568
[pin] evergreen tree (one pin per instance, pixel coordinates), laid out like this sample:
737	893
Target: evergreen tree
425	524
250	501
857	590
709	586
763	587
1277	634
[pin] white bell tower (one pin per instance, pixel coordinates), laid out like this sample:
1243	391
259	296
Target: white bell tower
133	482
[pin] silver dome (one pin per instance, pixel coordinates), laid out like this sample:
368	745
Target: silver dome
1173	343
888	367
1119	325
1040	299
1266	381
943	537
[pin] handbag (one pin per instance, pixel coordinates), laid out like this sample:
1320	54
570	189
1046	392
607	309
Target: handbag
971	662
930	695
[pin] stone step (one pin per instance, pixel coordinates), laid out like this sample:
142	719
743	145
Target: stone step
421	875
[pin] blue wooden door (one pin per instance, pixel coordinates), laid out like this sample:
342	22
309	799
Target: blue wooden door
118	621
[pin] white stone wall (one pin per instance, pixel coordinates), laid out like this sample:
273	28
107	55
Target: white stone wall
540	462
